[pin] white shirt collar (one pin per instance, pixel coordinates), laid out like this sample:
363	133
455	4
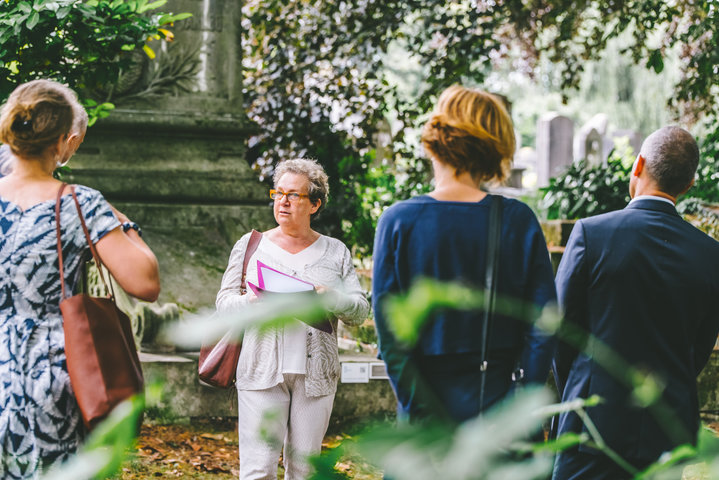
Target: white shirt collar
651	197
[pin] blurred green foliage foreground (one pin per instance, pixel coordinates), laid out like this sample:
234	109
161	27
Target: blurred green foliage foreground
493	446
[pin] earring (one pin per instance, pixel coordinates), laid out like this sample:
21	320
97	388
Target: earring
61	163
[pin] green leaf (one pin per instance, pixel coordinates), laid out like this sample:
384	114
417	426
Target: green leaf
47	5
408	313
562	443
13	67
151	6
106	447
574	405
63	12
33	19
167	18
656	61
668	460
24	7
432	449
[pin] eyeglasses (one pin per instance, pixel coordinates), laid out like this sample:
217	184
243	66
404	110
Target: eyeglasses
291	196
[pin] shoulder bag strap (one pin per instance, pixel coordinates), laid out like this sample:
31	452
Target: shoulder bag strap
255	238
490	285
93	250
59	241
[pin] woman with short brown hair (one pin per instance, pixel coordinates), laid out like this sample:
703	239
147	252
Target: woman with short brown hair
443	235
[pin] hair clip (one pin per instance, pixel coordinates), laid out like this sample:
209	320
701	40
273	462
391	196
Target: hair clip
22	125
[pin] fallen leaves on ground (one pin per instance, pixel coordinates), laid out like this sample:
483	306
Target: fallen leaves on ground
200	450
208	450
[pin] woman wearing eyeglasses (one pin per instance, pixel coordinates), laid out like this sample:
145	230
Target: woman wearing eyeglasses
287	376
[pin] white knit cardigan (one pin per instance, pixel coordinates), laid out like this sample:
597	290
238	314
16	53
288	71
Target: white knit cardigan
261	358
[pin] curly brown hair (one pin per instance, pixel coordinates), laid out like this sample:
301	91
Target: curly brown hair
471	131
35	116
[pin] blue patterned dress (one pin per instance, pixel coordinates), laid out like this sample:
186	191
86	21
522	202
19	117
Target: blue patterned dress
40	422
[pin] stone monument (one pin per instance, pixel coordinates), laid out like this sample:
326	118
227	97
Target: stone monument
171	155
554	146
589	146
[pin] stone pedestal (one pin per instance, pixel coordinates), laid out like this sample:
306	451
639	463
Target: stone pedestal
184	398
556	234
190	190
708	386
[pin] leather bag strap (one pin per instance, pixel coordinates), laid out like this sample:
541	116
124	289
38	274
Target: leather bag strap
490	285
59	241
93	250
252	244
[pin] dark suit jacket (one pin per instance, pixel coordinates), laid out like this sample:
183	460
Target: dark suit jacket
645	284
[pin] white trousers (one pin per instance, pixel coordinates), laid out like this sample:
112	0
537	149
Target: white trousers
281	416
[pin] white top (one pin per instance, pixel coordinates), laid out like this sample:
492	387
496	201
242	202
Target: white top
326	262
294	345
652	197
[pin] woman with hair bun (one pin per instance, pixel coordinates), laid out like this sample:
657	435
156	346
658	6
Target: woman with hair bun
443	235
74	139
40	423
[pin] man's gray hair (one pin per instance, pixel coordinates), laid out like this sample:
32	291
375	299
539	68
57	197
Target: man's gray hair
319	182
672	156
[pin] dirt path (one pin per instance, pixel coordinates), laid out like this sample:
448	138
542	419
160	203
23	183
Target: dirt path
203	450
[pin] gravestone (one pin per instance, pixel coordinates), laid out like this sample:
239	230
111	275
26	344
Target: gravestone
554	146
171	155
516	171
589	146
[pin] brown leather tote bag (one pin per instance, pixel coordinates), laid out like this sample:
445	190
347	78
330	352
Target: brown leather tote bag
102	359
217	365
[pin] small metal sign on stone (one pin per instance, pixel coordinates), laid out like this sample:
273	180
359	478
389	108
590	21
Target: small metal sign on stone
355	372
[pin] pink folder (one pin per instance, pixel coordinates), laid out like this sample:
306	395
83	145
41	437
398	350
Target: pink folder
292	284
281	283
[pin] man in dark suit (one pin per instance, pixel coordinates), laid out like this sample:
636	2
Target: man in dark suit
639	289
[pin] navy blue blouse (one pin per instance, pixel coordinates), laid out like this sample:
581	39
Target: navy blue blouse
424	237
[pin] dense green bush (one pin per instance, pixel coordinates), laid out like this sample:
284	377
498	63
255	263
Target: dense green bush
585	190
82	44
697	205
370	190
706	186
